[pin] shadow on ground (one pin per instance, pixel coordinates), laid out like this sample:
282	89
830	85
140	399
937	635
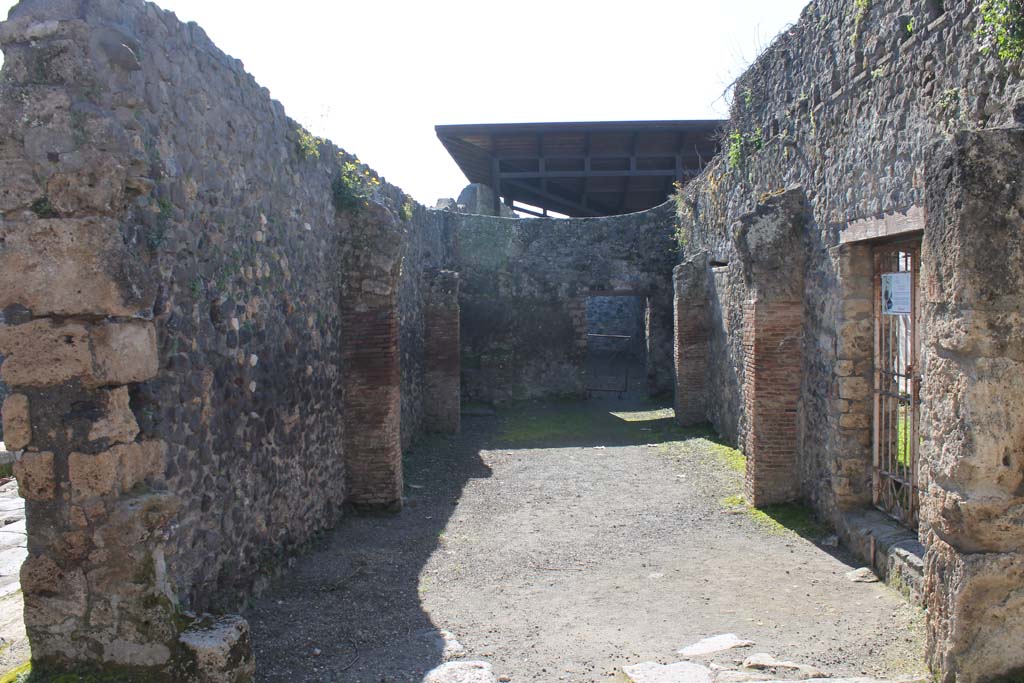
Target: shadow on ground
350	609
353	608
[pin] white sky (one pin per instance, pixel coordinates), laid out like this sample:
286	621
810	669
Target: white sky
375	76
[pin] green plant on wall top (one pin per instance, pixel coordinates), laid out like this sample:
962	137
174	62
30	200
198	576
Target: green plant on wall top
1001	29
406	212
309	144
353	187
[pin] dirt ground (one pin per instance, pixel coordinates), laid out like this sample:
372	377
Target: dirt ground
561	541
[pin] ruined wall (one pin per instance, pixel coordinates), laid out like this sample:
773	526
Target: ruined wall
852	121
524	284
851	107
171	278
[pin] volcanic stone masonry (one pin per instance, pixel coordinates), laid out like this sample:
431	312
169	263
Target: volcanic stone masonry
220	332
866	125
203	351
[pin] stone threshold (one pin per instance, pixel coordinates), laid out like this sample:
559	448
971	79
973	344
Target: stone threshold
890	549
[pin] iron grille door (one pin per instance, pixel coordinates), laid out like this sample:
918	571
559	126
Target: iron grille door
897	382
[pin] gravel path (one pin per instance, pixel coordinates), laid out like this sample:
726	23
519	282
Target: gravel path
562	541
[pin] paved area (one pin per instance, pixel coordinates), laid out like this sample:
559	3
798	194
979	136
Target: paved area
13	551
564	541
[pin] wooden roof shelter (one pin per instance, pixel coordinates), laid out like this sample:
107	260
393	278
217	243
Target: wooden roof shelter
582	169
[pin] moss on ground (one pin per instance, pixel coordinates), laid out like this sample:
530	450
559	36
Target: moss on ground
547	424
576	423
782	518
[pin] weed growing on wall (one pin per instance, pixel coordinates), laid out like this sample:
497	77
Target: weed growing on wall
43	208
309	145
739	145
353	187
734	147
685	214
406	212
1001	30
861	8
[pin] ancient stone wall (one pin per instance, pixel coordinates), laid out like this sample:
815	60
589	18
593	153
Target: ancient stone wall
524	285
180	294
851	107
972	454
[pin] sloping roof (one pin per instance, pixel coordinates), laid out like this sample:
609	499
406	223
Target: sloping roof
583	169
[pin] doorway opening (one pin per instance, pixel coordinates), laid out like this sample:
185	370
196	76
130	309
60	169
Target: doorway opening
616	350
897	381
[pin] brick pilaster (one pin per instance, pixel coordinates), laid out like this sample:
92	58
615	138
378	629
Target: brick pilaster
371	362
372	405
692	335
771	389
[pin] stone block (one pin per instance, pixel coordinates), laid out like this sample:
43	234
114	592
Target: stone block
219	650
855	339
975	614
125	352
42	353
141	462
20	187
35	475
115	470
853	388
71	267
45	353
52	593
97	189
93	475
855	421
461	672
118	424
17	422
973	521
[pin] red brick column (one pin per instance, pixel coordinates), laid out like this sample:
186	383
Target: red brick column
692	334
771	389
442	400
372	406
371	363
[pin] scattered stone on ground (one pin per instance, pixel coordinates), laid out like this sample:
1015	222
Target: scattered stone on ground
764	660
461	672
734	676
862	575
446	642
679	672
714	644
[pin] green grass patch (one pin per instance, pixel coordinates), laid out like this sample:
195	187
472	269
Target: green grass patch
730	457
572	422
18	674
781	519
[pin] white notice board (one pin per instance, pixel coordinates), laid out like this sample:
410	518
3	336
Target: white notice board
895	293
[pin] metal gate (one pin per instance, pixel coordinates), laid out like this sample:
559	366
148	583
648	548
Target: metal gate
897	381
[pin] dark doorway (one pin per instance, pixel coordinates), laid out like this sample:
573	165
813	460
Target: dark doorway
616	343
